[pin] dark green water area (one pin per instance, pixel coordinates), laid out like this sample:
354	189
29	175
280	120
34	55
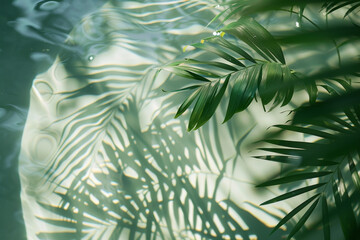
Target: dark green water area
31	34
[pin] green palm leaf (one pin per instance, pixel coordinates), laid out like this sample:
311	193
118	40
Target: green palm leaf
243	91
325	217
257	37
294	212
293	193
294	177
303	219
123	169
334	133
276	82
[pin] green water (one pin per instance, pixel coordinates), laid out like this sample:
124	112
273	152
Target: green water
22	56
86	111
100	142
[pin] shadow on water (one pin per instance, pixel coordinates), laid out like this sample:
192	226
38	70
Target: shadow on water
32	33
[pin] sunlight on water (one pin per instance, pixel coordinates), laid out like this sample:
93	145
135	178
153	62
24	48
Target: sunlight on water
101	151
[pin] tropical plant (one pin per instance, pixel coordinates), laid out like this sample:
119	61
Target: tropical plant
250	64
121	168
116	164
332	158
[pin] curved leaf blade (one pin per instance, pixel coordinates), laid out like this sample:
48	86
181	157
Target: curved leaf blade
305	130
325	218
186	104
294	177
206	93
185	73
223	42
210	63
294	212
272	77
243	91
302	220
212	104
343	205
220	53
257	37
293	193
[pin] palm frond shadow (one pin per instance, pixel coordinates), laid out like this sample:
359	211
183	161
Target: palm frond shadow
150	190
118	176
245	67
114	175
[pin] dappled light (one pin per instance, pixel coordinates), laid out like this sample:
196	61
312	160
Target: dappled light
186	119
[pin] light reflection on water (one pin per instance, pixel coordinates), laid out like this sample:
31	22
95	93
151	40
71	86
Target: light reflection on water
98	117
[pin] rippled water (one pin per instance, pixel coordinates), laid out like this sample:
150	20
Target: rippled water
102	156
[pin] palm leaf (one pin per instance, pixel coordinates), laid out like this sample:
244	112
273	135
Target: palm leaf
303	219
248	8
331	6
325	217
294	212
344	208
157	192
257	37
243	91
294	177
276	80
220	53
335	133
293	193
123	169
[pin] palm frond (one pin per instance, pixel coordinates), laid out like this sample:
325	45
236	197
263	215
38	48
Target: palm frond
123	168
246	76
120	166
235	9
331	6
333	155
268	77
